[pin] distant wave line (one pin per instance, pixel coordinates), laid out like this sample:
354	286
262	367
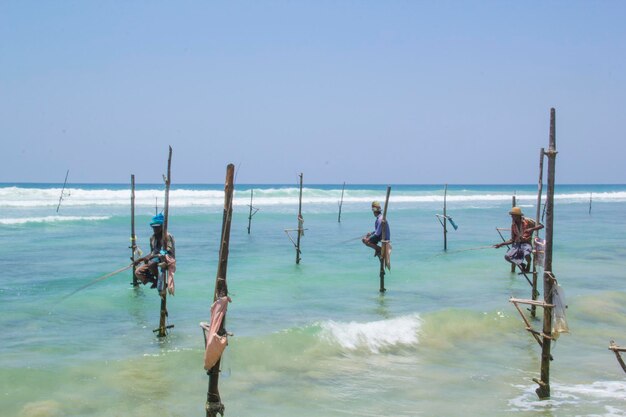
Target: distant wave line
49	219
22	197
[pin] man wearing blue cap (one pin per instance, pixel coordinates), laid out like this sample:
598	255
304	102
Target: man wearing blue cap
149	271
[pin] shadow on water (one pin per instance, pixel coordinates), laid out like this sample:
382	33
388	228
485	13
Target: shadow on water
381	307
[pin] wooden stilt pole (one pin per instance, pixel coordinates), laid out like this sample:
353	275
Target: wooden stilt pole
162	330
341	202
133	238
590	198
548	277
250	215
513	204
617	350
214	404
533	308
445	219
382	288
300	223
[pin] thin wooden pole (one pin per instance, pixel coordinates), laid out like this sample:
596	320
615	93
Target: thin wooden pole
616	349
214	404
63	190
513	204
590	198
533	308
300	221
341	202
445	219
133	238
382	288
548	277
250	215
164	240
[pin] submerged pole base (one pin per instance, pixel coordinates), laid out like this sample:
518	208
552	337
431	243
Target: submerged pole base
163	332
214	408
543	392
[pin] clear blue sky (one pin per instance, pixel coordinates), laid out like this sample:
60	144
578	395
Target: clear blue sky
356	91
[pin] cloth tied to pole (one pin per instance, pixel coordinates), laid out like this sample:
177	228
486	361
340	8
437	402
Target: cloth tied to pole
214	343
559	321
171	267
385	253
300	225
540	250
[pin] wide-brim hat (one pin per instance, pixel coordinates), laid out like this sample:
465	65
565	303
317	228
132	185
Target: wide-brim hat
516	211
376	204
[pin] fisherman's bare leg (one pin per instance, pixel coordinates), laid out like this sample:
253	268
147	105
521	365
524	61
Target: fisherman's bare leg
147	273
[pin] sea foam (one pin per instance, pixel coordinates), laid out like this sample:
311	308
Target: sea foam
49	197
375	335
562	394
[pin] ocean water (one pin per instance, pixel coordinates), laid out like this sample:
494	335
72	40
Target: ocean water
310	339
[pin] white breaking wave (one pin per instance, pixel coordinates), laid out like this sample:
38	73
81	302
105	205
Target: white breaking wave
373	336
595	393
50	219
77	197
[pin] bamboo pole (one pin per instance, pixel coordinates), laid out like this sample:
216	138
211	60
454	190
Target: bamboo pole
533	308
162	330
250	215
341	202
548	278
445	219
214	404
133	238
300	221
383	252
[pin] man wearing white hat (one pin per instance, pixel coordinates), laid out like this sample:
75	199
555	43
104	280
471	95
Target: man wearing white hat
372	239
522	229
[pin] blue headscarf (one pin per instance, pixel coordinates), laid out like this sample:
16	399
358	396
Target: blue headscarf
157	220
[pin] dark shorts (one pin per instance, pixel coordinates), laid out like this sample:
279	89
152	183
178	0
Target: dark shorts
374	239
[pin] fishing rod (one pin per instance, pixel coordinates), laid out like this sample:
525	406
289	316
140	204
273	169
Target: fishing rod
465	250
351	240
102	278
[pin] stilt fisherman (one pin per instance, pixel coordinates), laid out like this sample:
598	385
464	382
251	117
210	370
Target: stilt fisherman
373	238
158	256
522	229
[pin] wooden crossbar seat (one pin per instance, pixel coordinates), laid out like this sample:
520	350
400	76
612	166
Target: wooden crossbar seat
530	302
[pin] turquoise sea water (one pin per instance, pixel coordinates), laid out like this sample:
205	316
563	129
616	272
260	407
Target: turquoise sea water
310	339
